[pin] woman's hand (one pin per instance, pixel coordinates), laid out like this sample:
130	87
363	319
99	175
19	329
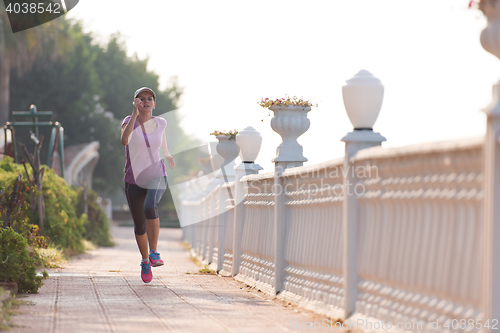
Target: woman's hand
171	162
137	102
126	131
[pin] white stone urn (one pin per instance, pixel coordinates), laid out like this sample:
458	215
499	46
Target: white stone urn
249	141
290	122
363	95
227	148
215	159
490	36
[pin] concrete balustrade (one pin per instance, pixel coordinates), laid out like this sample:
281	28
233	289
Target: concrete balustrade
400	235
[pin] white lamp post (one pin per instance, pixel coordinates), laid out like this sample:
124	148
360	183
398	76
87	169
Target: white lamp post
490	40
363	95
249	141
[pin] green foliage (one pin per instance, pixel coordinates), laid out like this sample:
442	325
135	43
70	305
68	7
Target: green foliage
17	263
7	164
19	219
62	226
96	226
61	223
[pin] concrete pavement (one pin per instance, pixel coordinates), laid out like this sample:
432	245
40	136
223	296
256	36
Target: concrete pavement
102	292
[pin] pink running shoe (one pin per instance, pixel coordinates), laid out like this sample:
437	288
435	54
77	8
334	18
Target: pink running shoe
146	273
154	258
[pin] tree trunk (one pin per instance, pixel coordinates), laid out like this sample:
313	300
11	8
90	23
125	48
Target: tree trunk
40	203
4	89
34	161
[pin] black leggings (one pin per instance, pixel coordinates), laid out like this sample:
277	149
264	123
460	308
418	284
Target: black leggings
143	203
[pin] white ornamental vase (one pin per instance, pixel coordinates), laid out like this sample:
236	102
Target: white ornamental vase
227	148
363	95
490	36
290	122
249	141
215	159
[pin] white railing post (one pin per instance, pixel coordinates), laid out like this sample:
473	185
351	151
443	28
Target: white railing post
491	249
363	95
208	223
279	226
290	123
490	40
182	214
249	141
241	170
228	149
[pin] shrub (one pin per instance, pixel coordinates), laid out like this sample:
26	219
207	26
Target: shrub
61	222
17	264
97	226
65	225
19	219
61	225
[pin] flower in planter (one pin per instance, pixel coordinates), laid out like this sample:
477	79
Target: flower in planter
269	102
232	134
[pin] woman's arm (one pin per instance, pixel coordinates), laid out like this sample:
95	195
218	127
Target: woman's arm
164	148
129	127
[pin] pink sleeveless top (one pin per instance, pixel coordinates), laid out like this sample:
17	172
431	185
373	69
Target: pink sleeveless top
143	154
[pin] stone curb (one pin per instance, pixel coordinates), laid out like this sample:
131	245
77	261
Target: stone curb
4	298
10	286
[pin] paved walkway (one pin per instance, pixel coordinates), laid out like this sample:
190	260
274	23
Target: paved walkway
102	292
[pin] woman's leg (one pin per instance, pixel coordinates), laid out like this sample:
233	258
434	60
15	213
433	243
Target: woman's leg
153	232
151	211
142	243
135	198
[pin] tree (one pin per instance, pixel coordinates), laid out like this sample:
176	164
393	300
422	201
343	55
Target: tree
20	50
90	91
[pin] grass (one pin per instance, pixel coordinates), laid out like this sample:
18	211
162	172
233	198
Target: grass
207	271
52	257
6	309
4	312
89	246
185	245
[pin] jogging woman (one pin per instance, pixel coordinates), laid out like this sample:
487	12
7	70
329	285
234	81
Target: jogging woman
145	175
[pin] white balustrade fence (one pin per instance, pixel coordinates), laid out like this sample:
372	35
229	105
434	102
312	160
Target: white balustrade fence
408	236
419	242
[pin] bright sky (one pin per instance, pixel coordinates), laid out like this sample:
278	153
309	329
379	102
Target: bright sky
229	54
